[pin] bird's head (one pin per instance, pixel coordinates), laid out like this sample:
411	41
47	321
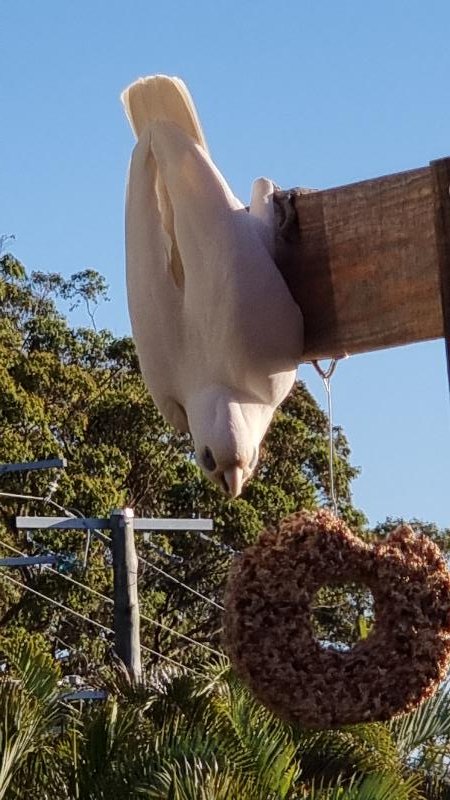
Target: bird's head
227	430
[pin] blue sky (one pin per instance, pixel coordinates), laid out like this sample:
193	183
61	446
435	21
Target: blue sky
309	93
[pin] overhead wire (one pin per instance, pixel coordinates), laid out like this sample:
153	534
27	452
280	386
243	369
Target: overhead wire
110	601
94	622
39	497
225	548
180	583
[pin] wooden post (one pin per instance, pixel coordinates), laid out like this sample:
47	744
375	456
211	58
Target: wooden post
126	604
441	174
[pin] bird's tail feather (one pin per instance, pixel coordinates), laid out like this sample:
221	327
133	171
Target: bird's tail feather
160	97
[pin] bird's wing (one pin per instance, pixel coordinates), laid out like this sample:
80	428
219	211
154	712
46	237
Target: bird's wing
153	296
148	244
233	290
155	273
219	310
160	98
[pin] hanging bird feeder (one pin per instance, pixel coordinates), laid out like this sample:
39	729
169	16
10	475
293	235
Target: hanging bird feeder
269	634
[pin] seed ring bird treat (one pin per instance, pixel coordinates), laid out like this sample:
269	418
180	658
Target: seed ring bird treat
269	634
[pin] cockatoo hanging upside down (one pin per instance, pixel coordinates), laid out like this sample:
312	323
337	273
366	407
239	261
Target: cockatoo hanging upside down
217	332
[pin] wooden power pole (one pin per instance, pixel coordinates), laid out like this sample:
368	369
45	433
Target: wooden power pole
126	603
123	526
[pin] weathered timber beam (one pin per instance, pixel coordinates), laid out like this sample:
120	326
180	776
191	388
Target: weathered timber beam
364	261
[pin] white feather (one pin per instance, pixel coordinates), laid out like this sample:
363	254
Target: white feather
217	332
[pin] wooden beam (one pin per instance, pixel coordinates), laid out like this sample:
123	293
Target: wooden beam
363	262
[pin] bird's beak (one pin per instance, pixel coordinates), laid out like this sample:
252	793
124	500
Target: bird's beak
233	479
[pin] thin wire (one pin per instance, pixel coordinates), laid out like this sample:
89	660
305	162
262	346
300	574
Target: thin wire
226	548
105	538
87	619
180	583
42	499
109	600
326	376
57	603
163	553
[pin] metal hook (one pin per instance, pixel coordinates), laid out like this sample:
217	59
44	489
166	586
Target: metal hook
326	375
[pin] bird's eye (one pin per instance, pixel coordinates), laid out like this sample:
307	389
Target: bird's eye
252	463
208	460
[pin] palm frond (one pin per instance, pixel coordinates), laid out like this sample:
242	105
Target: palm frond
376	786
37	671
430	721
182	779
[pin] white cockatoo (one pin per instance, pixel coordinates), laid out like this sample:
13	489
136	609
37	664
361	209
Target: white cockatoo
217	333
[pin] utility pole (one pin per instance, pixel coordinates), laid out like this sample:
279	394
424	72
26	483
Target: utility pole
126	603
123	526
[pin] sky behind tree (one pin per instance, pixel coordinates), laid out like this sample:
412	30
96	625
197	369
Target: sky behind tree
309	93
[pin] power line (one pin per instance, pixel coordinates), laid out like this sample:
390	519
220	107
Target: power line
104	538
87	619
180	583
42	499
225	548
110	601
57	603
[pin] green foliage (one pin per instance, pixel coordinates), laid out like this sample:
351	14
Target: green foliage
177	737
30	713
342	614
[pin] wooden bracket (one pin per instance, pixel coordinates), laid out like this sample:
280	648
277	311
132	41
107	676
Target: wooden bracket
369	263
